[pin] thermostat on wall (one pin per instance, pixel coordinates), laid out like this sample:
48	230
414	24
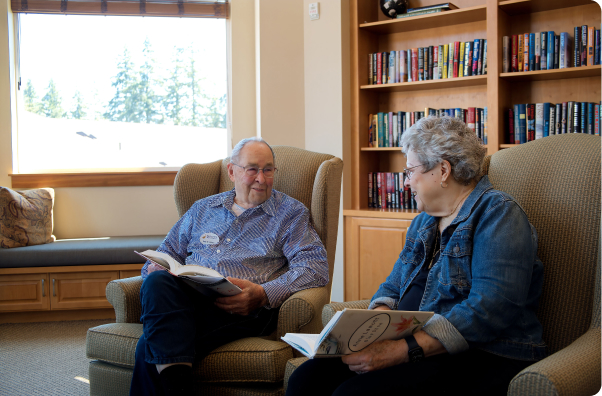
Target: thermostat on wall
314	11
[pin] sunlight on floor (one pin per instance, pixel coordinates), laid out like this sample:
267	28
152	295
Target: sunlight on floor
82	379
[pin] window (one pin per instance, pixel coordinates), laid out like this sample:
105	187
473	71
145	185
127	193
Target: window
106	92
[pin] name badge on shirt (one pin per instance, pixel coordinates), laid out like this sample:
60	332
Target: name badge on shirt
209	238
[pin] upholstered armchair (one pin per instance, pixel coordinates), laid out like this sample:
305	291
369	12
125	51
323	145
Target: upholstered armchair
249	366
557	181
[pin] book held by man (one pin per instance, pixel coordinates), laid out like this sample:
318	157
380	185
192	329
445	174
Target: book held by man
352	330
205	280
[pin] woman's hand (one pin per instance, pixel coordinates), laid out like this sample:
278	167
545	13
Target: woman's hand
379	355
382	308
152	267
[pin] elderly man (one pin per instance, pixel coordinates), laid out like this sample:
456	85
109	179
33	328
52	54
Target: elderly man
261	239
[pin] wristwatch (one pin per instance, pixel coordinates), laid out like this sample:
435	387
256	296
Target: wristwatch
415	351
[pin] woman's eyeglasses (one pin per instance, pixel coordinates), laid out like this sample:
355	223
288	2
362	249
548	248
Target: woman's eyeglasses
409	172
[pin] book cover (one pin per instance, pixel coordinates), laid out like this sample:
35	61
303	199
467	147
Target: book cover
558	127
461	59
583	45
551	120
514	54
543	64
562	58
445	59
577	47
532	51
546	119
550	55
414	64
392	68
556	51
590	46
537	51
450	61
467	58
475	57
379	68
510	126
526	38
519	52
531	122
505	54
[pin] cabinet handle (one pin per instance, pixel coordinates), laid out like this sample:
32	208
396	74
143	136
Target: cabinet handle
53	289
43	289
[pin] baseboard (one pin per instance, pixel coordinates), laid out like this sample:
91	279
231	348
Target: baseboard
57	316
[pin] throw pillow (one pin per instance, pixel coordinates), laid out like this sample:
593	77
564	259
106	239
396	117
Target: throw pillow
26	217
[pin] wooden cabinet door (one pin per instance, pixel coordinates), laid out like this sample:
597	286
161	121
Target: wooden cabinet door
372	246
80	290
24	292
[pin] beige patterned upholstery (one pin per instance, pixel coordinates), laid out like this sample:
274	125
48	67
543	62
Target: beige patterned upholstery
557	181
250	366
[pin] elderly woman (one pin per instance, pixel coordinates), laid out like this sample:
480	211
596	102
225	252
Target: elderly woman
470	257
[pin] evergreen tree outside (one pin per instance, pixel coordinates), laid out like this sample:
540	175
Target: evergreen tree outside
31	99
125	105
150	102
79	113
194	86
174	101
51	102
215	116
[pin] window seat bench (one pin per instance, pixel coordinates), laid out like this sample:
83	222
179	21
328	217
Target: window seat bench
66	279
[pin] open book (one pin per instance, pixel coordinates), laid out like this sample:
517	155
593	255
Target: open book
206	280
352	330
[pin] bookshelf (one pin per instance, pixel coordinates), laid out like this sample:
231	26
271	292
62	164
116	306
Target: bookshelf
374	237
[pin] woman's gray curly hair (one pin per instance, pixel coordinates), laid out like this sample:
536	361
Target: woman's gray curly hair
434	139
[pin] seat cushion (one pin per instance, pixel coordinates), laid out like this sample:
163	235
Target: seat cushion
252	359
85	251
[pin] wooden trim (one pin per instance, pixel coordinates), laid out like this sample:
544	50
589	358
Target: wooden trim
100	179
517	7
428	21
70	269
165	8
407	214
58	316
457	82
554	74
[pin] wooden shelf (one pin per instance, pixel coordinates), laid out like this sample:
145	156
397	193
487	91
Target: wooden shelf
406	214
555	74
381	149
503	146
428	21
457	82
517	7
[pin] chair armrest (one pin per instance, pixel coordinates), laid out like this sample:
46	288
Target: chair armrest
124	296
300	313
330	309
574	370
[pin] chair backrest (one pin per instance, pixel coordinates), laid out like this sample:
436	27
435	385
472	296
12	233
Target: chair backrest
312	178
557	182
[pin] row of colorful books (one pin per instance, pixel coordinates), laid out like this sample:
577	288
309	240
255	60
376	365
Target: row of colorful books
527	122
457	59
386	191
547	50
386	129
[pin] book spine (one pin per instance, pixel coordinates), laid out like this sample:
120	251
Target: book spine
436	62
519	52
485	56
477	123
389	190
414	64
537	51
505	54
403	66
385	67
576	117
517	123
583	45
590	46
445	58
563	118
410	66
420	64
431	61
510	126
556	51
392	122
526	52
456	61
597	119
379	70
546	119
570	110
411	14
468	58
475	57
583	117
552	120
550	57
558	126
440	61
461	59
514	58
481	63
562	61
577	47
470	118
370	131
370	69
450	61
532	51
597	47
543	64
370	187
392	68
485	132
590	118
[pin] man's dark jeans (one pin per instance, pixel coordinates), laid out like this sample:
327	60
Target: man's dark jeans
181	325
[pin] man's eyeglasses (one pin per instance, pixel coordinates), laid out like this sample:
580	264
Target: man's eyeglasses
252	171
409	172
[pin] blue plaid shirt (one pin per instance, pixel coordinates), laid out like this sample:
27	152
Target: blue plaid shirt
273	244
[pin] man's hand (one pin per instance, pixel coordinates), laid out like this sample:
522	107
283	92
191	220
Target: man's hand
252	297
379	355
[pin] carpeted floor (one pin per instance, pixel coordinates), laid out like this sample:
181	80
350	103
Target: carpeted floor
45	359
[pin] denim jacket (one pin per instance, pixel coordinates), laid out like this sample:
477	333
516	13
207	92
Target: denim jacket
486	284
